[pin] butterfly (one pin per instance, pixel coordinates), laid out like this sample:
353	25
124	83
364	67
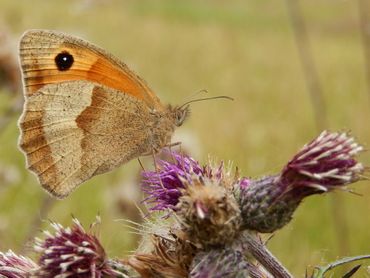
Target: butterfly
85	112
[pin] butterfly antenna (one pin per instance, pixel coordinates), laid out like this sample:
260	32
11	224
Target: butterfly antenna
207	98
202	91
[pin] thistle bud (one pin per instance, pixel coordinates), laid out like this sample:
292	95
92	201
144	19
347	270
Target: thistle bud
325	164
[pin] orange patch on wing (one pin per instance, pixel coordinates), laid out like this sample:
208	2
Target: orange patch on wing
89	64
91	115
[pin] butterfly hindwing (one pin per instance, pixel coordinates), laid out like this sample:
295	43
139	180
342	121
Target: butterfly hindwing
74	130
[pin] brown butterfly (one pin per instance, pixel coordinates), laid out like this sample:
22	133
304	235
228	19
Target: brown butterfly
85	112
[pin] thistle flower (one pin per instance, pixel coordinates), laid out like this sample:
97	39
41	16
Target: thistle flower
14	266
164	185
201	196
72	252
326	163
217	263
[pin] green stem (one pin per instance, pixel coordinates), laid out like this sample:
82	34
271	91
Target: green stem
320	271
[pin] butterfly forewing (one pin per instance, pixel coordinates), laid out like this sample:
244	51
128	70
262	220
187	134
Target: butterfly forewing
39	50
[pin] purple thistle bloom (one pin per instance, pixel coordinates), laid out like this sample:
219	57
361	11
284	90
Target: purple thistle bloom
322	165
326	163
72	252
164	185
14	266
202	197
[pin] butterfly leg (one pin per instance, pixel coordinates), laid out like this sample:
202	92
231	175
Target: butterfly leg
171	153
155	161
157	167
141	164
173	144
170	145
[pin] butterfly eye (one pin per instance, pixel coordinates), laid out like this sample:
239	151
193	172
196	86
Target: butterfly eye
178	120
64	61
181	115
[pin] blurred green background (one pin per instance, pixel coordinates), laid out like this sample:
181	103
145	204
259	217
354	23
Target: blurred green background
243	49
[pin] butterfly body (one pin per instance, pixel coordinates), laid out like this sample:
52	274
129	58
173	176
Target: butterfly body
85	112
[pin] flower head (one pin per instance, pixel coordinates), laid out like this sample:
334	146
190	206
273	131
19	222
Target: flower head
14	266
70	252
202	198
326	163
168	183
164	185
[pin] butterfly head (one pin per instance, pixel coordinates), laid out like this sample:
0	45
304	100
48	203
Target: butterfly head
180	114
